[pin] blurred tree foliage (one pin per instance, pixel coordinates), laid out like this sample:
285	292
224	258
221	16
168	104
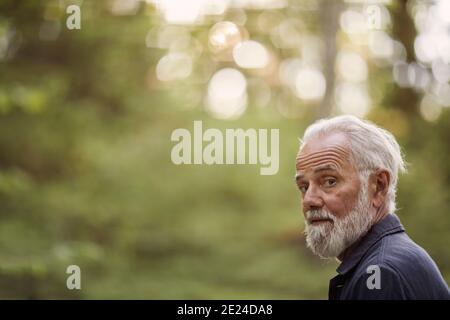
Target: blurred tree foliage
86	176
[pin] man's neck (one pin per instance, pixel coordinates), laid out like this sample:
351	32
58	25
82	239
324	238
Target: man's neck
379	215
349	250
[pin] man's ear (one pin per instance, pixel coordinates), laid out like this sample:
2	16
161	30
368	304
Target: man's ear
379	181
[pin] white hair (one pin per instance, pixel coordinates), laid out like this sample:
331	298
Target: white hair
371	148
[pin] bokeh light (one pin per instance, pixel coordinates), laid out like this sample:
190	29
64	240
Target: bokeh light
223	37
250	54
310	84
351	66
174	66
352	99
227	94
430	109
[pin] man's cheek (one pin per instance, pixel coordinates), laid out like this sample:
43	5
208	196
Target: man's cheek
332	206
339	206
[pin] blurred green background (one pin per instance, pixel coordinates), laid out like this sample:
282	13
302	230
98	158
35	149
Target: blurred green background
86	118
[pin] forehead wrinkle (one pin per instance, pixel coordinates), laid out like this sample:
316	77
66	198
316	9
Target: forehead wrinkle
320	159
334	154
338	150
339	147
316	157
332	162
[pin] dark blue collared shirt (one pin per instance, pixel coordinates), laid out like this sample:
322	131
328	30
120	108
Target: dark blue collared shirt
387	264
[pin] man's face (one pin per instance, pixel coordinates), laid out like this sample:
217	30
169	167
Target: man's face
335	202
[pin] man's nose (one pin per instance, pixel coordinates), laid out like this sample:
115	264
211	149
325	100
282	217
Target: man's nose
312	200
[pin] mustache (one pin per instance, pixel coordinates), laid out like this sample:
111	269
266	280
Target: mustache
319	214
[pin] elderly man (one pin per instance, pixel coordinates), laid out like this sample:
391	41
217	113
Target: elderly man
347	172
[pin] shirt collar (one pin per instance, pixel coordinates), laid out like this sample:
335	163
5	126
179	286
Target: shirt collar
388	225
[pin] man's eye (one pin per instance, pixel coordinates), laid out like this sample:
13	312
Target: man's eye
330	182
303	188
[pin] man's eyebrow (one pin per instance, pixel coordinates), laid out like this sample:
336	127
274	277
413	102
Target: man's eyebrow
325	167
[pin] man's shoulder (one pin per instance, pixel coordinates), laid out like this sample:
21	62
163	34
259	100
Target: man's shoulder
397	252
404	266
400	252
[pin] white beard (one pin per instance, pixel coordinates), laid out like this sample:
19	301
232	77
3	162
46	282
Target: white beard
329	240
